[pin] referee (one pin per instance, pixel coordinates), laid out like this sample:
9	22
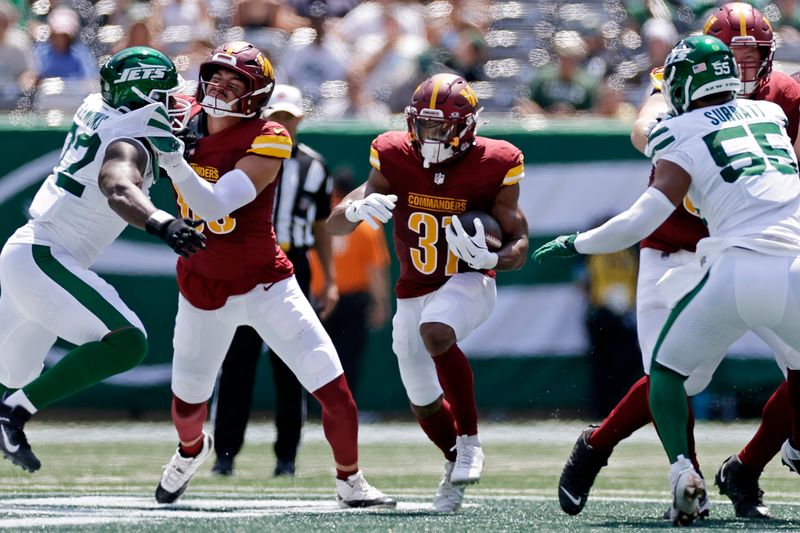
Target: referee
302	203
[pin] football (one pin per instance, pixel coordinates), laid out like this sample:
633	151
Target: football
491	228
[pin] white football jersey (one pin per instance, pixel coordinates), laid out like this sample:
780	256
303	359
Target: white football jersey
69	209
742	164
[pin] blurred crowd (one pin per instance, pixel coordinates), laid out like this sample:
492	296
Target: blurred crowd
362	60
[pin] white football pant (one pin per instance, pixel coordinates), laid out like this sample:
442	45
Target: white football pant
47	294
281	315
463	303
743	291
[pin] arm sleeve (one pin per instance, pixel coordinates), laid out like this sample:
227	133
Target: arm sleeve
212	202
626	229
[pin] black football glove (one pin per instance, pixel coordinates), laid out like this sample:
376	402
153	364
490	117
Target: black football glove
190	135
179	233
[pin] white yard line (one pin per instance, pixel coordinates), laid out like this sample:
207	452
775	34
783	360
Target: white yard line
393	433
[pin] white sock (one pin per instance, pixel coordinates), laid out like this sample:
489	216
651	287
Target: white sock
19	399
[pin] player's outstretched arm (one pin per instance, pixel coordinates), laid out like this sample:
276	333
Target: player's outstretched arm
120	180
514	253
370	202
670	185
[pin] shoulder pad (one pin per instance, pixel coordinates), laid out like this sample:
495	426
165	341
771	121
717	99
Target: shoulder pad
659	138
273	141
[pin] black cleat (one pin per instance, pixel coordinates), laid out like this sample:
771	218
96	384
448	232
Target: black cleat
740	484
223	466
12	438
284	468
579	473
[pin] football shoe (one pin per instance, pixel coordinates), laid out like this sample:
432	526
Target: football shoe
448	496
13	441
469	461
687	489
579	473
179	471
223	466
355	492
790	457
740	484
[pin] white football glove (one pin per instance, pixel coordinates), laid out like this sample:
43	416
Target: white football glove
470	249
373	206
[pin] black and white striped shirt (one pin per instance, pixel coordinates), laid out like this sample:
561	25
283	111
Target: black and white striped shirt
303	197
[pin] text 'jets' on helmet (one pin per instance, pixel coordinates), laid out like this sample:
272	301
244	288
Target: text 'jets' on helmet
253	68
697	67
139	76
442	118
741	25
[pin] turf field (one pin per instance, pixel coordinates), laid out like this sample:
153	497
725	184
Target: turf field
101	477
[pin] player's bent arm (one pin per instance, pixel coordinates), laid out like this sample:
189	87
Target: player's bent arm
514	253
653	207
338	223
234	189
120	180
653	106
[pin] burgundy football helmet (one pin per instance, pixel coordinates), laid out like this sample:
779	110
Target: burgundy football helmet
251	65
442	118
738	24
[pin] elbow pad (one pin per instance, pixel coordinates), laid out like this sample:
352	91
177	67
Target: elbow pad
626	229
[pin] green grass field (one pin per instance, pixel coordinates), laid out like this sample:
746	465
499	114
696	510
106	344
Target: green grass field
101	477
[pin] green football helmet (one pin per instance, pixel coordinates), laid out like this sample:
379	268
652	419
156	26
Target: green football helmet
138	76
698	66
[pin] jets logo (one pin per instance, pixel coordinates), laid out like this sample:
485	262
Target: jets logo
143	72
678	53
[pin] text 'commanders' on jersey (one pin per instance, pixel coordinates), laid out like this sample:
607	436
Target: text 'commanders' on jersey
429	197
241	250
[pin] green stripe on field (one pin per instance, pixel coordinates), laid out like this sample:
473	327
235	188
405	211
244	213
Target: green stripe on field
79	289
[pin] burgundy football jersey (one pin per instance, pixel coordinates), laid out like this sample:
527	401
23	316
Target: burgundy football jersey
241	251
682	230
428	197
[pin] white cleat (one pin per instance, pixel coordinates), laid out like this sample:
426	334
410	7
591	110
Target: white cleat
448	496
357	493
688	488
790	457
469	461
179	471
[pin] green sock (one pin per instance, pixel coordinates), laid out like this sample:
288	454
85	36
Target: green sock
670	410
86	365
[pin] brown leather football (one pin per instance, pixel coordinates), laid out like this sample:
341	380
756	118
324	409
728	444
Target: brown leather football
491	228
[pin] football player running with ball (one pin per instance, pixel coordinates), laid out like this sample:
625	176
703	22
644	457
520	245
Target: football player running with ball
746	275
750	37
245	278
424	178
99	186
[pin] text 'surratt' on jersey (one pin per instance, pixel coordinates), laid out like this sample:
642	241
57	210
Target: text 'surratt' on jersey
241	251
428	197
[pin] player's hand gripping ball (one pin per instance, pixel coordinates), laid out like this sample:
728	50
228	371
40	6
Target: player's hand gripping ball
473	248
